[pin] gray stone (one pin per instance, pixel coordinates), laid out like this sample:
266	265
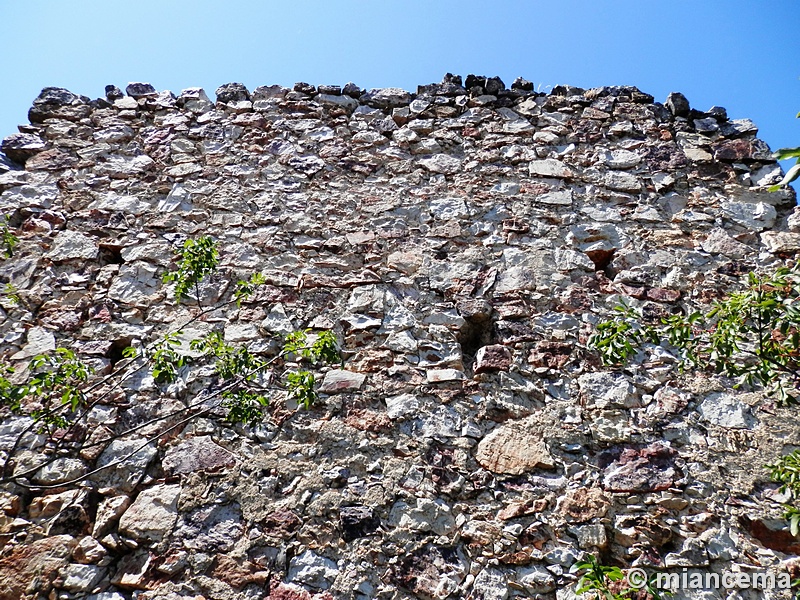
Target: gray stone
72	245
153	514
536	579
386	97
441	163
339	381
19	147
313	570
197	454
122	471
81	578
490	584
549	167
726	410
140	90
677	104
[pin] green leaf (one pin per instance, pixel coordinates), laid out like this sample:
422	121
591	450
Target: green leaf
786	153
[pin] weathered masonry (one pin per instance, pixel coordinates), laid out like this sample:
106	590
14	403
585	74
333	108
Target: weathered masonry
461	241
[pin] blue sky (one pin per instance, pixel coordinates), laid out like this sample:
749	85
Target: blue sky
732	53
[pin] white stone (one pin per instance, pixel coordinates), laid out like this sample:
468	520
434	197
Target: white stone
153	514
549	167
313	570
726	410
70	245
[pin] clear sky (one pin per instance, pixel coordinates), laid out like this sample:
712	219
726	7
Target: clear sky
743	55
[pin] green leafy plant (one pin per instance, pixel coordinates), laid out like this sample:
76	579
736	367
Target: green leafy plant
597	580
752	334
786	471
58	391
793	173
10	241
602	582
167	360
198	258
12	294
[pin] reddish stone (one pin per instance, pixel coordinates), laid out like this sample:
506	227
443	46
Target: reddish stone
634	292
32	567
663	295
584	504
553	355
492	358
648	469
773	535
287	592
282	522
239	573
368	420
733	150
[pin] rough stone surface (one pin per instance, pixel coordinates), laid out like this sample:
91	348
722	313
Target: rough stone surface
461	242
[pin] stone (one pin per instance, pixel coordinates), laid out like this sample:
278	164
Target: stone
514	448
232	92
677	104
19	147
385	97
313	570
490	584
549	167
339	381
719	242
492	358
607	390
583	504
197	454
649	469
781	241
444	375
591	536
153	514
691	554
81	578
424	515
726	410
123	471
357	522
32	567
39	341
622	181
441	163
536	579
61	470
140	90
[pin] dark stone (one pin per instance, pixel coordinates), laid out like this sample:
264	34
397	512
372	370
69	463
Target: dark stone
677	104
140	90
421	571
522	84
55	96
512	332
742	150
475	80
640	97
494	85
113	93
19	147
450	79
357	522
719	113
304	88
331	90
352	90
232	92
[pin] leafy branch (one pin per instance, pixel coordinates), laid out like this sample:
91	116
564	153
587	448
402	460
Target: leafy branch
752	334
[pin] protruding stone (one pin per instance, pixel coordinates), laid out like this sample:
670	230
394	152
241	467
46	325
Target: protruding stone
232	92
492	358
514	448
140	90
153	514
677	104
19	147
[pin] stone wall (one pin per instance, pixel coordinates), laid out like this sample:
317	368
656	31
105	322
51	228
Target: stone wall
461	242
